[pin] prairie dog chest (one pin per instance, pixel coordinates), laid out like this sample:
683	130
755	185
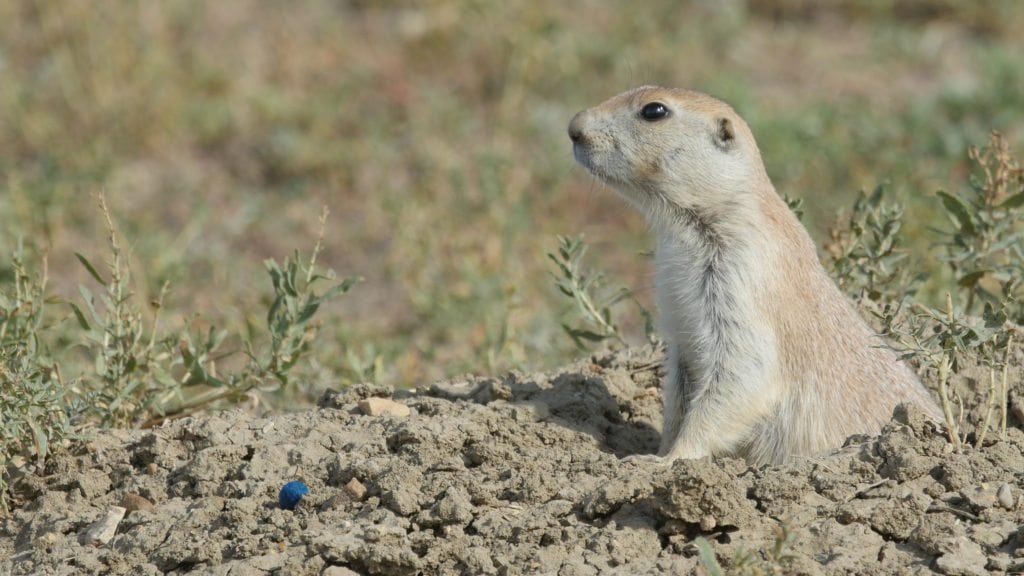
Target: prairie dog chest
708	304
681	291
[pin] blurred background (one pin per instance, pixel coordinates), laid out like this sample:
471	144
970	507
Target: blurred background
435	133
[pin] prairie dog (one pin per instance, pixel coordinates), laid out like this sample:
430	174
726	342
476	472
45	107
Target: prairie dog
766	359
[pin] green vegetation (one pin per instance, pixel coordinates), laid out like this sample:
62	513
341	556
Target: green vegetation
942	340
594	299
867	260
770	562
983	248
34	408
435	132
140	374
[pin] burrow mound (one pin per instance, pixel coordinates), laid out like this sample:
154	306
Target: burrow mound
516	475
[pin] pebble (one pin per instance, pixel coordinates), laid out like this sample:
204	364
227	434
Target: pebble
103	530
1005	496
355	489
378	406
708	523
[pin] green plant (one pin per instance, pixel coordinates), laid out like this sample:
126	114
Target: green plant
588	289
143	373
865	249
985	249
996	363
771	562
290	328
707	557
33	409
941	339
365	365
129	369
289	318
795	204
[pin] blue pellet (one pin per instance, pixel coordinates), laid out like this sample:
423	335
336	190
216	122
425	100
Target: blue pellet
291	494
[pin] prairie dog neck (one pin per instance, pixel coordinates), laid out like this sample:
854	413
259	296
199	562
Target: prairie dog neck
709	281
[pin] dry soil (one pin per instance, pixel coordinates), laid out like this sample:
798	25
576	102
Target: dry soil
522	474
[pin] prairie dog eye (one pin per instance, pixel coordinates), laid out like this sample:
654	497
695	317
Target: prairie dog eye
654	111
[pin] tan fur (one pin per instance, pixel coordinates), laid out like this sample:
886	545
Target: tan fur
766	357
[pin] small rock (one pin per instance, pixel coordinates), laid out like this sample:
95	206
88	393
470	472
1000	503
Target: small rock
1002	564
380	406
477	560
354	393
133	502
992	536
102	530
529	412
355	489
913	416
1005	496
708	523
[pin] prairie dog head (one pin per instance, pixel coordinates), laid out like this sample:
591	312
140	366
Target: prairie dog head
663	148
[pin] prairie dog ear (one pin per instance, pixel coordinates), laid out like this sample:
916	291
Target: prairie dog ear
725	135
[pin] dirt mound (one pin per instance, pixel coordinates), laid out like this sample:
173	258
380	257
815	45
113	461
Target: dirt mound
519	475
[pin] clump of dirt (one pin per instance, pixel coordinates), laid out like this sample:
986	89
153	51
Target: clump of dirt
516	475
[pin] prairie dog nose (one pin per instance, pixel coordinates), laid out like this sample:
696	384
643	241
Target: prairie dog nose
576	127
